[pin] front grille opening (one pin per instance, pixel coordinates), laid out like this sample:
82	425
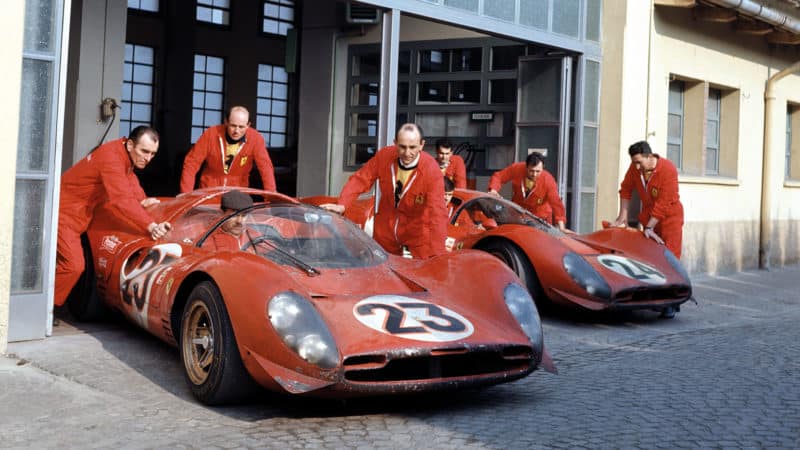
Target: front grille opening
445	366
365	360
646	295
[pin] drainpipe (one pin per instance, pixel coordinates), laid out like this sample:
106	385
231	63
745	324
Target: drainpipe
765	234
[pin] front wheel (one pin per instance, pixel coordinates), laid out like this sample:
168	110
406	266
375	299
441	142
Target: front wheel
516	259
210	356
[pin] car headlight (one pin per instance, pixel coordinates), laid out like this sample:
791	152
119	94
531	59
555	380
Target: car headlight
676	264
520	304
302	329
586	276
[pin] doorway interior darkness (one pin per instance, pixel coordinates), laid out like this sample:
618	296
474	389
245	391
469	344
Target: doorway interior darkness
198	68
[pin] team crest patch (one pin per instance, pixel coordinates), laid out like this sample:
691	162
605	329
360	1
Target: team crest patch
243	161
419	199
539	201
654	192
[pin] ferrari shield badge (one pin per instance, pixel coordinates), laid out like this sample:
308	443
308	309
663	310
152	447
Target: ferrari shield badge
411	318
654	192
419	199
243	161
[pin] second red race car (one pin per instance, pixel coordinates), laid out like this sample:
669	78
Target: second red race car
609	269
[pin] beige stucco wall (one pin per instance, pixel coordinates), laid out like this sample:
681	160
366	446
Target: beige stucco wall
722	214
11	22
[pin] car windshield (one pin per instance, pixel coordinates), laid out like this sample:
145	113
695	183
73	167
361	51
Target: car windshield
501	212
304	236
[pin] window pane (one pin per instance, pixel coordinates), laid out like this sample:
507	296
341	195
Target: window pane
566	16
502	125
533	13
459	125
360	153
586	213
404	62
503	91
591	96
589	158
367	64
402	93
499	156
434	61
500	9
713	103
434	124
35	112
468	91
26	272
39	24
712	163
712	133
506	57
470	5
365	124
432	92
674	154
674	128
467	60
593	20
676	89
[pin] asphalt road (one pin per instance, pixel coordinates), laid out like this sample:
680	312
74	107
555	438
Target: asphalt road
725	373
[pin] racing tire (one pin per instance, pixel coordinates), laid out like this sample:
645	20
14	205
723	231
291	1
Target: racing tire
516	259
83	301
212	364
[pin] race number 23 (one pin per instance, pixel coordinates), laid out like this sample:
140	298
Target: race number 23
633	269
412	319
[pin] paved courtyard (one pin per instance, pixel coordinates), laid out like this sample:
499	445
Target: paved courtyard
724	373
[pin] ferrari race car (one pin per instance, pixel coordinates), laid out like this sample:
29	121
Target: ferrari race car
309	304
609	269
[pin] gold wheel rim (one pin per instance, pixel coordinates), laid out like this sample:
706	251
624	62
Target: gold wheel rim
198	342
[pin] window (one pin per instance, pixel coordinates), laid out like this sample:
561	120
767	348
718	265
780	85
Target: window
675	123
209	77
272	104
217	12
137	88
278	16
792	171
712	132
143	5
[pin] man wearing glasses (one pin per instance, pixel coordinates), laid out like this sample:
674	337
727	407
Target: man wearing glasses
411	212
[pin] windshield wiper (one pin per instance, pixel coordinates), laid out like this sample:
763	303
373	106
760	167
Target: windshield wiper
299	263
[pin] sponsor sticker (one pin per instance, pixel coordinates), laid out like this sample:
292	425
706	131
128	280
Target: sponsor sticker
411	318
633	269
110	244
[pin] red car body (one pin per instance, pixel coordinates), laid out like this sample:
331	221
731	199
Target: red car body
379	324
609	269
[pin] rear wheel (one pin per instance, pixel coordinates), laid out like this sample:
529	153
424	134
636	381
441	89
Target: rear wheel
210	356
83	302
516	259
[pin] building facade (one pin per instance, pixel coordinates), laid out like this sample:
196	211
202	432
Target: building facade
327	82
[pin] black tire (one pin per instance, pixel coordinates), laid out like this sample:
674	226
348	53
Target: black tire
213	367
83	302
516	259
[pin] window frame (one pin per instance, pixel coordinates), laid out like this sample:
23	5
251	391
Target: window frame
202	127
131	124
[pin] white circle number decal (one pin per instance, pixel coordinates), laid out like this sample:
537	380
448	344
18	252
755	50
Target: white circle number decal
411	318
633	269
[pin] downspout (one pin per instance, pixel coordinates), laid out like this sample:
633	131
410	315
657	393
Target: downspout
765	232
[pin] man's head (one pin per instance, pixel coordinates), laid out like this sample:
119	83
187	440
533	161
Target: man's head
142	145
236	122
230	202
642	155
449	187
534	164
409	143
444	150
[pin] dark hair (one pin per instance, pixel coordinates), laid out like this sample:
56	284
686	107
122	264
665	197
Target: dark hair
534	159
443	143
641	147
449	186
140	131
410	127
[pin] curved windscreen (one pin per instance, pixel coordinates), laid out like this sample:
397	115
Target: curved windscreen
300	235
497	211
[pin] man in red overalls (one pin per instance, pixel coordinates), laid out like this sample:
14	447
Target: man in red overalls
228	151
656	181
105	175
533	188
452	166
411	212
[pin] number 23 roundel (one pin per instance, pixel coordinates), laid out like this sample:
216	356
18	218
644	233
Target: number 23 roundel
633	269
411	318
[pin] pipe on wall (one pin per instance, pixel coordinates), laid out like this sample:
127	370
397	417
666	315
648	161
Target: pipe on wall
765	231
753	9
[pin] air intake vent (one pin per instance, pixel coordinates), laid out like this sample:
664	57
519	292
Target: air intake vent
362	15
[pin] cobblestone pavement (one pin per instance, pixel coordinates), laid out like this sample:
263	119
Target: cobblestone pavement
725	373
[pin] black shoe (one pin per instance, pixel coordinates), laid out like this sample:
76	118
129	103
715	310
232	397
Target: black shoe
668	312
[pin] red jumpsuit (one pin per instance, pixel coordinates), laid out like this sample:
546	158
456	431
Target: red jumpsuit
104	175
543	201
420	219
210	148
660	199
456	171
221	240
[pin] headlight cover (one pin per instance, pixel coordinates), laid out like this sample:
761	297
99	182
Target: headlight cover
676	264
520	304
302	329
586	276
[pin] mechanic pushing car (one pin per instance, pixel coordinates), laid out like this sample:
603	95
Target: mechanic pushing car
227	153
411	212
105	175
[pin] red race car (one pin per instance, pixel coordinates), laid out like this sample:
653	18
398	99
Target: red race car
613	268
308	304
